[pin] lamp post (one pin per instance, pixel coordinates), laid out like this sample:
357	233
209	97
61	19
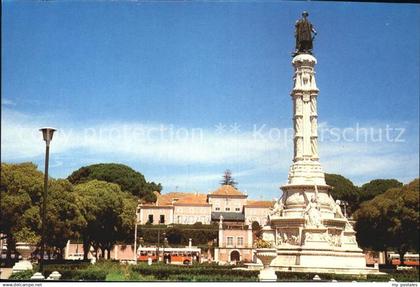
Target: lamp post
157	249
47	134
135	234
163	247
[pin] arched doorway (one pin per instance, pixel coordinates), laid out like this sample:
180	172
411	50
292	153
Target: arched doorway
235	256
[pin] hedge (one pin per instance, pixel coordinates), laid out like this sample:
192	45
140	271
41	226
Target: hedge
210	278
165	272
308	276
399	276
23	275
77	271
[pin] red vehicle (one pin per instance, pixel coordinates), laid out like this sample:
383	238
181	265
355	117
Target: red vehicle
186	255
409	259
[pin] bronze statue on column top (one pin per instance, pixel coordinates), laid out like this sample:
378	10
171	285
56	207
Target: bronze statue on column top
303	34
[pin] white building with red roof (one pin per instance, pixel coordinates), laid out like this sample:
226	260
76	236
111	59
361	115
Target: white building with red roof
189	208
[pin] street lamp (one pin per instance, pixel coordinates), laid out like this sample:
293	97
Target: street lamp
165	240
135	233
157	248
47	134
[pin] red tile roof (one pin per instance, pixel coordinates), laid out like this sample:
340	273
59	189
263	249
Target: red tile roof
259	203
227	190
193	199
179	198
170	198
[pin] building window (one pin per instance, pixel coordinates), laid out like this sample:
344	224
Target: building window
237	209
217	208
229	241
227	208
150	218
240	241
162	219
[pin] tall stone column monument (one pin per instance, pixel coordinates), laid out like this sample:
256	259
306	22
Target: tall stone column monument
306	226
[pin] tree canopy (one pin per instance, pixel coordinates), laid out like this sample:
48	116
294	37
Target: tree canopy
377	186
63	217
109	214
343	189
390	220
21	190
127	178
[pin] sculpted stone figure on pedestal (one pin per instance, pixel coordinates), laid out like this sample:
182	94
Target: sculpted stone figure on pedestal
303	34
278	208
310	232
312	213
336	209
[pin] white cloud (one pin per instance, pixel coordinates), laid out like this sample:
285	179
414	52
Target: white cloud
155	142
260	161
7	102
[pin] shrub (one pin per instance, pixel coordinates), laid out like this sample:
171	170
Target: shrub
298	276
81	272
23	275
260	243
209	278
115	276
194	273
405	275
399	276
91	275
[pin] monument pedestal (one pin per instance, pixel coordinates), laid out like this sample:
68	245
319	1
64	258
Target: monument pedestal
315	238
307	226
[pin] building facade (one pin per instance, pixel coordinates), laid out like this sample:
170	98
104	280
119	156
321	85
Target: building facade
235	244
189	208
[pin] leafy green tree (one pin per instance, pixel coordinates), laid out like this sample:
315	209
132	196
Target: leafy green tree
390	220
20	190
106	210
377	186
128	218
63	218
21	193
343	189
128	179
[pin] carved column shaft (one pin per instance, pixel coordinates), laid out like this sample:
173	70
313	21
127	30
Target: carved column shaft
305	116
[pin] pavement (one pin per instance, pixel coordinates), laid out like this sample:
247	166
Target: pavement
5	273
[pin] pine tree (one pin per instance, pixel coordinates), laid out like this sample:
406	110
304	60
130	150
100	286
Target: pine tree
228	179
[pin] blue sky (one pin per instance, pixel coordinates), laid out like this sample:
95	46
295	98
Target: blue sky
181	91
